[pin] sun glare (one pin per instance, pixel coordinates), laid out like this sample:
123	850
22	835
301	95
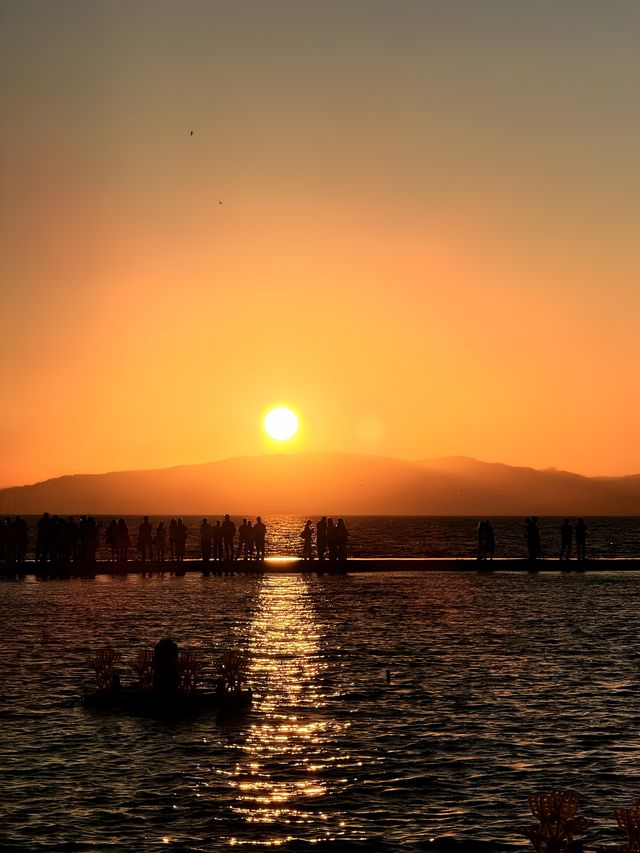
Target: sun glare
281	424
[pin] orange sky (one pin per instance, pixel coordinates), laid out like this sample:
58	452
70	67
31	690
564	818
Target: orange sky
426	243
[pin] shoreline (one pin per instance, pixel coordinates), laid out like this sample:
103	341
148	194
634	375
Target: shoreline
295	565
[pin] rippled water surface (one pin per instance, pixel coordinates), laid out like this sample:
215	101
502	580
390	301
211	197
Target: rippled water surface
499	685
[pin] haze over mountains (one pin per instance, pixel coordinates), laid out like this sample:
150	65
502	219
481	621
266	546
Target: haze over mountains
330	483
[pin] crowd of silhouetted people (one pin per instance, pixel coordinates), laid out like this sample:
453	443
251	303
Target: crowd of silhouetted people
567	536
534	542
66	540
14	538
168	542
331	539
218	541
58	540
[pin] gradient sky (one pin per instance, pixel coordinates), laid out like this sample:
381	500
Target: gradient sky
427	242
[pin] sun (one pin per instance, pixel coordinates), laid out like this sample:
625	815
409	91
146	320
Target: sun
281	424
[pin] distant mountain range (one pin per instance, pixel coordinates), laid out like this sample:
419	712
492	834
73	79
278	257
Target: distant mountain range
330	483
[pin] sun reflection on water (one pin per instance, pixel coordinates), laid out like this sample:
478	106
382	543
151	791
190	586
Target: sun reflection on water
279	781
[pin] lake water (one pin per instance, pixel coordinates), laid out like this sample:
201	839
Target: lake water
500	685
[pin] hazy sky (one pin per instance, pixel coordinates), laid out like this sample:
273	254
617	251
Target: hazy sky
427	242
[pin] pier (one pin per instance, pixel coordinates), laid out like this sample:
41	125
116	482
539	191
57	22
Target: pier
294	565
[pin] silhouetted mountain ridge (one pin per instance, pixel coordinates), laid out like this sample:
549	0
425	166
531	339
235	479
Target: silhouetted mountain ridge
331	482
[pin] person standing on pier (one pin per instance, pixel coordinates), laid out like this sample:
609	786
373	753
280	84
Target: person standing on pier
173	538
228	536
111	538
43	538
321	537
243	532
332	540
123	541
160	541
532	533
306	536
259	537
206	536
217	541
145	539
248	542
581	539
22	539
566	537
182	532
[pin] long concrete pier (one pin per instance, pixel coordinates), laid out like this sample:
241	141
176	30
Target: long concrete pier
292	565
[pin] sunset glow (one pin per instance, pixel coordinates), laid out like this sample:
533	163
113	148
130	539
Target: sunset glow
207	209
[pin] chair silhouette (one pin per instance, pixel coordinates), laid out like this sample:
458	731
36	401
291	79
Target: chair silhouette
558	821
106	666
143	667
231	668
628	821
189	669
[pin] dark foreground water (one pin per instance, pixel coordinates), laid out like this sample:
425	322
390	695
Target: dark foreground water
499	685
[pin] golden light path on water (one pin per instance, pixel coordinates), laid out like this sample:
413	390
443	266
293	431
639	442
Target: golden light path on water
278	780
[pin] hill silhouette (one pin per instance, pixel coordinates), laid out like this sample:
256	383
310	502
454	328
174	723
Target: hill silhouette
336	483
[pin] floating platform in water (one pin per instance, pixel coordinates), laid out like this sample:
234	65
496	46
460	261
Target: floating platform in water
292	565
159	704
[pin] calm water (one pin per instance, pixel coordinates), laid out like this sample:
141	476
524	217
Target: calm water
419	536
500	685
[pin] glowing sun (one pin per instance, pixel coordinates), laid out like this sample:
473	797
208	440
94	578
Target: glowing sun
281	424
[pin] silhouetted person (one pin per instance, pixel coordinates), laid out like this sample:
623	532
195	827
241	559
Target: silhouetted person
581	539
332	539
228	536
489	541
160	541
90	539
217	541
9	540
145	539
321	537
306	536
248	542
341	539
43	538
243	532
123	541
22	539
206	537
65	536
55	539
259	537
111	538
166	676
566	538
173	539
181	540
532	533
83	534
